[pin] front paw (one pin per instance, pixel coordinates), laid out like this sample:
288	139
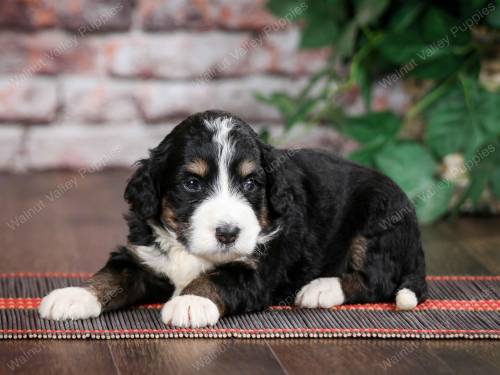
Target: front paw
190	311
70	303
323	292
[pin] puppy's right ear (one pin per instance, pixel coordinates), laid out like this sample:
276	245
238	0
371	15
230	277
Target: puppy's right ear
140	192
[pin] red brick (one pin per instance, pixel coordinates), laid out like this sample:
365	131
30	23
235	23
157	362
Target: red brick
73	145
102	100
280	54
243	14
95	100
28	100
179	55
167	15
323	137
160	101
210	55
49	52
393	98
82	16
89	16
11	140
81	146
27	14
88	100
159	15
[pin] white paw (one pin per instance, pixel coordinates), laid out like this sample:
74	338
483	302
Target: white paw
190	311
406	299
323	292
70	303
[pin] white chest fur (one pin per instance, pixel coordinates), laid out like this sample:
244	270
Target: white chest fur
172	260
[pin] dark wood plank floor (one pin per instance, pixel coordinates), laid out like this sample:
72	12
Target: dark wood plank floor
71	222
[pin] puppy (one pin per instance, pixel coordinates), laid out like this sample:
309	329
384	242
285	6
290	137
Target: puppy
221	223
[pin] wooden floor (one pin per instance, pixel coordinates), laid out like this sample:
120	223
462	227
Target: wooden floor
71	222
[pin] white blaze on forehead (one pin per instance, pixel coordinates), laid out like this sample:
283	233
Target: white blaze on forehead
225	205
221	127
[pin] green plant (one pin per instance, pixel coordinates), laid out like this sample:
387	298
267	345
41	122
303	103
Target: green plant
439	45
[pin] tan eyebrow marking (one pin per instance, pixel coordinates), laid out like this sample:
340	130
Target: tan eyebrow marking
198	167
247	167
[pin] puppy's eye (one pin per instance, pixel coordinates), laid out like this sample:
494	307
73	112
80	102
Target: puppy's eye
192	185
249	185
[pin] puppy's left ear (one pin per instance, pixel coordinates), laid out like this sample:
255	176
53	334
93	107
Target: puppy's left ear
279	191
141	193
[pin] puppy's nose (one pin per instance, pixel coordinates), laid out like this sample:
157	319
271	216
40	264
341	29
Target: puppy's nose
226	234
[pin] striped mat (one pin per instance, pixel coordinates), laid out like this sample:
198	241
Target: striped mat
458	307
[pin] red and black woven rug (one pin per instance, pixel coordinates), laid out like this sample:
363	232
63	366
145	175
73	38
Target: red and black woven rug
458	307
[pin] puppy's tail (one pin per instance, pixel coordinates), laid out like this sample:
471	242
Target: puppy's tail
411	292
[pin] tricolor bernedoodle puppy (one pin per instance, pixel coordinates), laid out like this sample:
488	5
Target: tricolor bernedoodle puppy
222	223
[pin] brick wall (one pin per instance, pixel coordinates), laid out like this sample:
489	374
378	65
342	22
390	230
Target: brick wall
98	82
81	78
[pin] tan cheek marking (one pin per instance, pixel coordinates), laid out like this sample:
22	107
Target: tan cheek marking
264	217
198	167
247	167
169	215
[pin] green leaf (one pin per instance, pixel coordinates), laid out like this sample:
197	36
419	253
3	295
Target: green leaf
483	106
265	135
361	76
495	182
489	108
404	16
324	21
319	32
468	7
463	119
365	155
446	124
437	66
402	47
472	13
493	18
281	100
475	138
479	180
304	109
372	126
369	10
285	8
409	164
437	24
347	40
434	201
482	167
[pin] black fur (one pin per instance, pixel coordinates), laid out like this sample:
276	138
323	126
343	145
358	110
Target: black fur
320	202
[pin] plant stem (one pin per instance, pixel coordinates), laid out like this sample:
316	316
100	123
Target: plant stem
437	92
430	98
